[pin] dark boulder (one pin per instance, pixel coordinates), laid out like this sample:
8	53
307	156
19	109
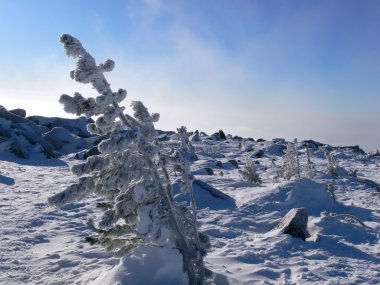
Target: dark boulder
258	154
311	144
234	163
248	148
19	112
356	149
222	135
237	138
195	137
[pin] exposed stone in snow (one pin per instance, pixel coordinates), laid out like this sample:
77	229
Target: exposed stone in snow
294	223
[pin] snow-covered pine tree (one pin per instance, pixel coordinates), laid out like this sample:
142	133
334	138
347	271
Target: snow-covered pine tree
131	173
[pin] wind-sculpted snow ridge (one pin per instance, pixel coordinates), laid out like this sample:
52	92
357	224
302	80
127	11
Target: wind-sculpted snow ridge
40	245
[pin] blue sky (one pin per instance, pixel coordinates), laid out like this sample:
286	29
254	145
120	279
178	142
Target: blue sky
293	69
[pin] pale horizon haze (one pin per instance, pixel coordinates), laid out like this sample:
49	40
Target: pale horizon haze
261	69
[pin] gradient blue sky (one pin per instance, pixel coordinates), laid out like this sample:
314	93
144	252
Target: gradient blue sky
294	69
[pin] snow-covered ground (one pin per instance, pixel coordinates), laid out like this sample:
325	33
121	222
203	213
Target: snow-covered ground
40	244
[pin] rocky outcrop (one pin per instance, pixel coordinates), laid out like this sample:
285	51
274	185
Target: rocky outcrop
23	136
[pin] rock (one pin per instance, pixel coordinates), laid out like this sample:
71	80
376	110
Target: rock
163	137
248	148
311	144
19	112
369	182
169	133
17	149
276	149
215	137
294	223
76	126
65	142
261	140
222	135
258	154
218	136
20	122
195	137
237	138
190	156
209	171
356	149
234	163
24	134
374	153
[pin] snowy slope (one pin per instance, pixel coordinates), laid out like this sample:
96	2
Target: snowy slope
40	244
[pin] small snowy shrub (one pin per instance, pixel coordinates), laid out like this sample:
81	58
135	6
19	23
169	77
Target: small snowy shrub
249	171
330	188
291	166
183	137
332	164
186	147
212	150
309	170
130	173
